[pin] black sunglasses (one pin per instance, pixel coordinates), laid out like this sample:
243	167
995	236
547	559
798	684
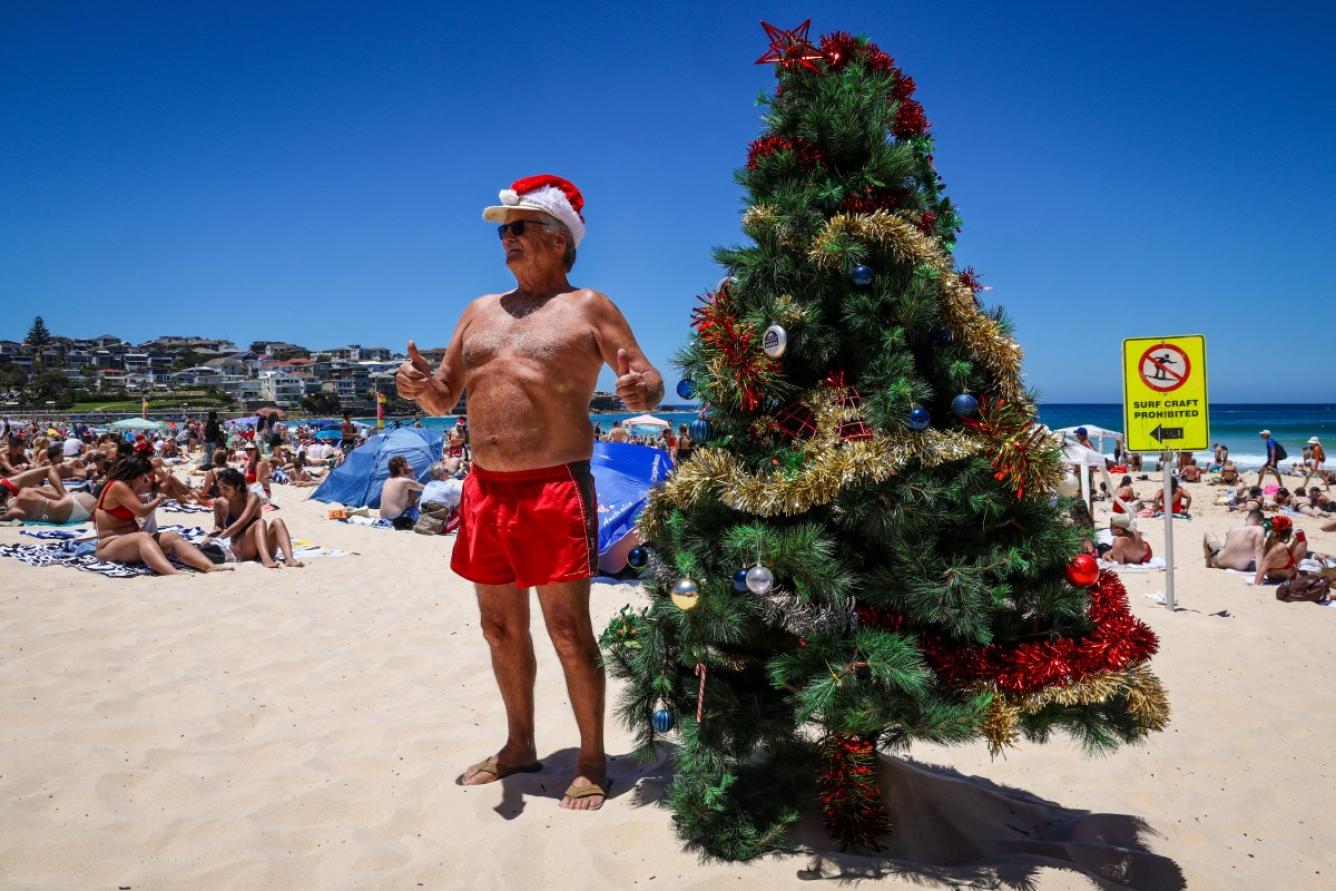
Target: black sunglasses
517	228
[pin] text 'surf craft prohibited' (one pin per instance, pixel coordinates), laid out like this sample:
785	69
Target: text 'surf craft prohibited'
1164	393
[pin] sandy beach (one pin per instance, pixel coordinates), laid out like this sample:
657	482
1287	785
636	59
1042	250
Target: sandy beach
303	728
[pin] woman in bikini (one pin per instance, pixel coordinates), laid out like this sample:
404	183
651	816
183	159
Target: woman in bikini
23	497
1278	563
258	473
1126	494
236	517
119	538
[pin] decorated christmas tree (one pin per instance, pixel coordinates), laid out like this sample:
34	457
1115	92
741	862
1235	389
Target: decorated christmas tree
865	547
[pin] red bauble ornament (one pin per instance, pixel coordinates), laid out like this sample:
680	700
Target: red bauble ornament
1083	571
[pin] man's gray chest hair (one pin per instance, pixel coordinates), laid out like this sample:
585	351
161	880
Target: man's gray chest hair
536	339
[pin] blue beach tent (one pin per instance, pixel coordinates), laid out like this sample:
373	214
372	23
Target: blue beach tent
358	480
623	475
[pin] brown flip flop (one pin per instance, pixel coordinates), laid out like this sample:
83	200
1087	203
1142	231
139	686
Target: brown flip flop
496	769
588	790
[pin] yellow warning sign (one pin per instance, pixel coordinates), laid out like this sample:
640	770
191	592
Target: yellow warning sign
1164	394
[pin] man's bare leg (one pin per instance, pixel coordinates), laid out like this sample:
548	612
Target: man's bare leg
566	613
504	610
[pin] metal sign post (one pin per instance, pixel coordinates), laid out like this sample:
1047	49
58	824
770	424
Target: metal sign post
1165	409
1168	479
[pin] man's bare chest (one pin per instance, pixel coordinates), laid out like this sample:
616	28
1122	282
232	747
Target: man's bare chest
542	338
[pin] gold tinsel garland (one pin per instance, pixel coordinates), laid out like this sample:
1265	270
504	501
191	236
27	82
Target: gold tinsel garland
998	353
1142	690
830	465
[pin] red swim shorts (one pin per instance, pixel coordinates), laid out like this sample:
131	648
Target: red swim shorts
529	527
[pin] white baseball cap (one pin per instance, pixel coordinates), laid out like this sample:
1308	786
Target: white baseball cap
552	195
1265	433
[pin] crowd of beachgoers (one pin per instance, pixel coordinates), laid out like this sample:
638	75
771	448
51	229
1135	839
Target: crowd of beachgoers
60	473
1266	543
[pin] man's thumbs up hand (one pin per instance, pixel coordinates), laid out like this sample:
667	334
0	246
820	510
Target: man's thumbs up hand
416	381
631	386
416	359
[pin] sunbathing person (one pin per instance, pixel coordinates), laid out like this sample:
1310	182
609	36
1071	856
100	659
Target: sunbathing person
1243	546
1190	473
295	467
258	473
1278	563
14	459
25	496
1229	474
1182	501
399	496
1127	495
236	517
181	492
119	536
1246	498
1317	504
1128	545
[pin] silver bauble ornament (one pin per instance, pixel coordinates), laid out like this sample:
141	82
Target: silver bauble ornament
760	579
774	341
685	594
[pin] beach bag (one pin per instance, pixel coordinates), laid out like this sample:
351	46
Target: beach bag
1304	589
432	518
1281	454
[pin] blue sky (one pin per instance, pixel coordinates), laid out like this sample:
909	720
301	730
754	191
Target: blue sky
314	172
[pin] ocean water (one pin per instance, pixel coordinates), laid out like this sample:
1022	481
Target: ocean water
1234	424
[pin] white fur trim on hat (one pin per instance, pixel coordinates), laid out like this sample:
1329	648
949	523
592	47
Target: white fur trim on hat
548	199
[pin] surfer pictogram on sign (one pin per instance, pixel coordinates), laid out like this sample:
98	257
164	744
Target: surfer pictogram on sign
1165	367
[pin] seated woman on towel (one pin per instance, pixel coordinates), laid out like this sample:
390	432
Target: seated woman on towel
1128	545
118	510
1279	562
236	517
24	497
1182	501
1128	495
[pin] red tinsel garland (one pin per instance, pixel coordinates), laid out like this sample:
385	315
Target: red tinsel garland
873	199
735	341
840	48
809	156
910	120
1119	640
904	86
850	797
928	222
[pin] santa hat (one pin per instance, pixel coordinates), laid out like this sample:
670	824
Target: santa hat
554	196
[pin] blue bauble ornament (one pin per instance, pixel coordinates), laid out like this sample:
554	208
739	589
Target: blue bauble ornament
862	276
965	406
686	388
740	580
662	721
919	418
700	431
637	557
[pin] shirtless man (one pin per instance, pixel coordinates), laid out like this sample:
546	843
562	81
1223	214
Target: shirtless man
1242	547
1128	545
399	494
530	359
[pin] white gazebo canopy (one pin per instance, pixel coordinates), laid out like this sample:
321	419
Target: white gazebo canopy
645	421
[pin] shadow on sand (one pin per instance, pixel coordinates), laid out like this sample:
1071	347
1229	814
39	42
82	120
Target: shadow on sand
952	830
